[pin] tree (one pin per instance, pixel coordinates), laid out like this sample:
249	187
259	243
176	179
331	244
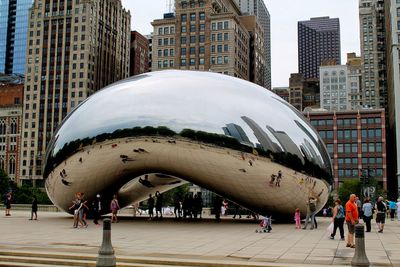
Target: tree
349	187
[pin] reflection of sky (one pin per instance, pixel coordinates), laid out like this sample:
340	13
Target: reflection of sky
176	99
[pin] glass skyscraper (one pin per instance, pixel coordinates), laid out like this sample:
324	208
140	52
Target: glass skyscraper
14	16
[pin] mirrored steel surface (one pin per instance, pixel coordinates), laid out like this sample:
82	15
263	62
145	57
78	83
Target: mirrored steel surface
159	130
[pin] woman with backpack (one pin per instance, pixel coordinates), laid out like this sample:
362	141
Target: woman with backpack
367	214
338	219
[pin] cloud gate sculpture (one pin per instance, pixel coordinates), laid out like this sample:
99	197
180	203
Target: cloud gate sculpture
156	131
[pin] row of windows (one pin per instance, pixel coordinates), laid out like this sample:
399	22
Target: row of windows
191	61
192	28
218	37
184	17
346	121
192	39
356	173
166	30
192	4
354	161
166	41
13	127
220	25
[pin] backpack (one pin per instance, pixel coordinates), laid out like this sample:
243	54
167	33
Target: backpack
340	212
312	207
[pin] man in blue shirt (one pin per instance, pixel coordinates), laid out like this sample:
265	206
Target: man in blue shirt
392	207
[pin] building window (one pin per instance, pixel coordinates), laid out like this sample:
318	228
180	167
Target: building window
202	16
183	17
192	16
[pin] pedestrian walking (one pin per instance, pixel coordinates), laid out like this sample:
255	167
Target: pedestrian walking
34	208
367	214
338	219
97	209
398	209
311	210
114	207
380	208
392	207
159	203
351	219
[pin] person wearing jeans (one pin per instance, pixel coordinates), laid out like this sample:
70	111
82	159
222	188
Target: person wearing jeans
338	219
367	214
311	211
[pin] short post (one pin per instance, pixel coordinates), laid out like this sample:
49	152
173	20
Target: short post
106	257
360	258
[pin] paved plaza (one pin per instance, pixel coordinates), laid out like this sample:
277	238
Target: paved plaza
230	240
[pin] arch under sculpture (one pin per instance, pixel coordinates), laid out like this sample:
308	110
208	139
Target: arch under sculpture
159	130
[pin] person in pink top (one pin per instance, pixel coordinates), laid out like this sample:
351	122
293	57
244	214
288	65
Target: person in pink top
297	218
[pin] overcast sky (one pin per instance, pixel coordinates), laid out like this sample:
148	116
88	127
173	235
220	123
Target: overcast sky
284	17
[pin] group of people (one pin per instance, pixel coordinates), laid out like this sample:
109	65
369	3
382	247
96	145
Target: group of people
353	211
189	206
81	208
158	202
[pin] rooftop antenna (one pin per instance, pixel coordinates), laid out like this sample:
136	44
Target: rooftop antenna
169	6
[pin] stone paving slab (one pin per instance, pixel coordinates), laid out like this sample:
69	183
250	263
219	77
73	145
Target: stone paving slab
204	240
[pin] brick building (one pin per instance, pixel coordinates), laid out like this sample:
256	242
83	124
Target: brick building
139	62
356	142
11	96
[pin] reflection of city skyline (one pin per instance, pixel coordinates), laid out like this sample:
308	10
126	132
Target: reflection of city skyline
264	140
237	132
289	146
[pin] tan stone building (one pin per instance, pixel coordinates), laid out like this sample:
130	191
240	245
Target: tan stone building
75	47
208	35
10	128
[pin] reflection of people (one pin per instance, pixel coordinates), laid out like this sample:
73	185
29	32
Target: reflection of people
145	181
297	218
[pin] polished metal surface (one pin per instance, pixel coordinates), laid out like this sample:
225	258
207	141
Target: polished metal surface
159	130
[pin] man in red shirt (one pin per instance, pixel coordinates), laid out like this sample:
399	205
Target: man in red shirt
351	219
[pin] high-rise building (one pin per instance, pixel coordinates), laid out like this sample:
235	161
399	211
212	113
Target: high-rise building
283	92
14	16
392	14
354	80
303	93
10	128
258	8
209	36
373	53
355	141
318	40
334	91
75	48
139	62
150	55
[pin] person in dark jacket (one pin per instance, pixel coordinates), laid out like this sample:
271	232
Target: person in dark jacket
34	208
159	202
150	203
96	208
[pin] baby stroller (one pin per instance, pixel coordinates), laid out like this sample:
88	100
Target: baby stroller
265	225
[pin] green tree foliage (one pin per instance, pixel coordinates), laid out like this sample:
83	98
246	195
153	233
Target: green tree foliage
23	194
349	187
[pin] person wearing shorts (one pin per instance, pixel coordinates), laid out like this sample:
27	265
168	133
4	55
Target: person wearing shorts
380	207
351	219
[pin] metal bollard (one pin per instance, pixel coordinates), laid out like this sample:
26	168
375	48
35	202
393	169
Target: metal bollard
106	257
360	258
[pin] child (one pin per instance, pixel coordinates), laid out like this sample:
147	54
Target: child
297	218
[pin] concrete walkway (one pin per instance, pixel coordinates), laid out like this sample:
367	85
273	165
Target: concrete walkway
204	240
